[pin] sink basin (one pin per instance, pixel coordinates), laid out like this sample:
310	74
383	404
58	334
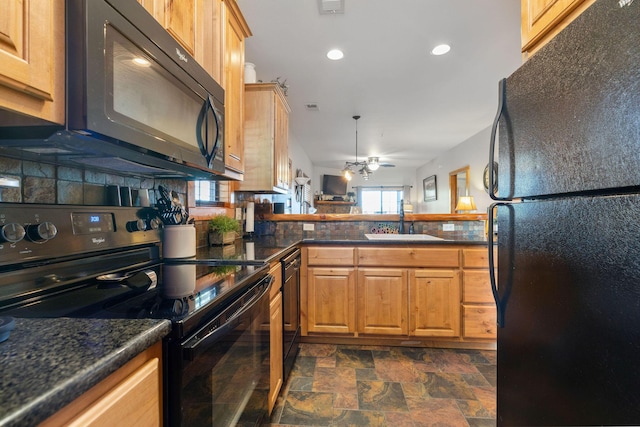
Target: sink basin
402	237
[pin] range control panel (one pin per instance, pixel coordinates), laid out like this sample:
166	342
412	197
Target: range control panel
35	232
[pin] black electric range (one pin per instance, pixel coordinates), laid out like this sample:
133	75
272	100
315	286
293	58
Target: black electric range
78	261
104	262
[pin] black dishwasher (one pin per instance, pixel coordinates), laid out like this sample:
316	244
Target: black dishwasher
291	309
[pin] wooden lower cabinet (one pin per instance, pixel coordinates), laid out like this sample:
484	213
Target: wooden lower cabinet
331	304
276	343
437	295
478	306
434	305
131	396
382	301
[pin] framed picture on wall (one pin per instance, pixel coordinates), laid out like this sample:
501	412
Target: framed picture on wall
430	188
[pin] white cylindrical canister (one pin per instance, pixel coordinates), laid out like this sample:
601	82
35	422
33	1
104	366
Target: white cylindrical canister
250	73
179	241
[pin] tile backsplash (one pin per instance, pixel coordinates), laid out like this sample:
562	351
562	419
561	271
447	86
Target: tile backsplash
462	230
48	184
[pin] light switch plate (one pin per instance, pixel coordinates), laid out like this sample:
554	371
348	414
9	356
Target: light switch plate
308	227
448	227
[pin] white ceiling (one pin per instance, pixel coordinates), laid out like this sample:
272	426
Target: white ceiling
413	105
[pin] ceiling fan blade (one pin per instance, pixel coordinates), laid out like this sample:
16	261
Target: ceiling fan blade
387	165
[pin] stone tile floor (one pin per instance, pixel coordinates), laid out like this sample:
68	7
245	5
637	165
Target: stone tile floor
346	385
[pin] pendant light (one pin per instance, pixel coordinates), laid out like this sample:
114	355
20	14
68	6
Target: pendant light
365	168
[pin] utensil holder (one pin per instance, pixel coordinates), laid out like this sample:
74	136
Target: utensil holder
179	241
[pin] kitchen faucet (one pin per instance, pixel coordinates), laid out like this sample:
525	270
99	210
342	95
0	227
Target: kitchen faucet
401	226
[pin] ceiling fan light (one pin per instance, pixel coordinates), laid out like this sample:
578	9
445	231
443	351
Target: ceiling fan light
373	164
347	174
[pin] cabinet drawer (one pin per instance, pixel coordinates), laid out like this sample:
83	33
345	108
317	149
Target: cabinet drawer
477	286
475	258
408	257
479	321
330	255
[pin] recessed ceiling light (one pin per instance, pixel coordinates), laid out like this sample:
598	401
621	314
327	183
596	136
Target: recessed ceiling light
335	54
441	49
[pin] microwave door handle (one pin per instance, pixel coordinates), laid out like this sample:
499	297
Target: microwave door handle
202	126
217	120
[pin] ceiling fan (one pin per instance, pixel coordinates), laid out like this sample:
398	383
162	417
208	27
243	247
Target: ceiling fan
365	168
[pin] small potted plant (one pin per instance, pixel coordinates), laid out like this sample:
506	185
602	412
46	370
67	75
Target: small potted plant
222	230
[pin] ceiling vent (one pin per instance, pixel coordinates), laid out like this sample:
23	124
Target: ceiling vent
331	7
312	107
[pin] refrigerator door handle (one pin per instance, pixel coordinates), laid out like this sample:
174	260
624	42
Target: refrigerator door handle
502	92
492	273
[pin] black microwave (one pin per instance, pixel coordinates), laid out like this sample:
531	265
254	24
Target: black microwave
137	103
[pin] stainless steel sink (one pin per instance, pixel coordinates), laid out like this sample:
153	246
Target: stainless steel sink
402	237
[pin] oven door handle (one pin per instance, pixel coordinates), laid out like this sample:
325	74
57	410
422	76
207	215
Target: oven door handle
193	347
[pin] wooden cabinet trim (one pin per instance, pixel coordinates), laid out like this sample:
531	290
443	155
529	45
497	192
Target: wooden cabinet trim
234	9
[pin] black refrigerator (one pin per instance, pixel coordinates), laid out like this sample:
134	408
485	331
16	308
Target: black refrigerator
567	145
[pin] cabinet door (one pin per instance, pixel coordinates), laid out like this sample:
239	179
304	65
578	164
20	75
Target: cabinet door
331	300
434	303
233	84
282	145
276	349
479	321
382	301
542	19
178	18
32	58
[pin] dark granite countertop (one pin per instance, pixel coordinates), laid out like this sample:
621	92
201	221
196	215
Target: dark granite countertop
48	363
272	248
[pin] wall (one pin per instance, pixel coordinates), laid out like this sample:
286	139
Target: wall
473	152
382	177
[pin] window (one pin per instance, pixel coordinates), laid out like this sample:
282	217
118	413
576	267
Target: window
207	192
380	200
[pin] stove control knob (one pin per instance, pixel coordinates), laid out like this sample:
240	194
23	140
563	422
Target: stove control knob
137	225
41	232
12	232
154	224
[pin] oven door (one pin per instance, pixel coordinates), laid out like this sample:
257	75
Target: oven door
224	379
130	81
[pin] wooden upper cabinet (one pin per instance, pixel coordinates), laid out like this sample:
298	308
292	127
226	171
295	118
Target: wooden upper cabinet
235	32
266	124
541	20
193	24
32	58
178	18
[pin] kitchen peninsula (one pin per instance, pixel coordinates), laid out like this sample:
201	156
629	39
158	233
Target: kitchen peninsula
432	293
